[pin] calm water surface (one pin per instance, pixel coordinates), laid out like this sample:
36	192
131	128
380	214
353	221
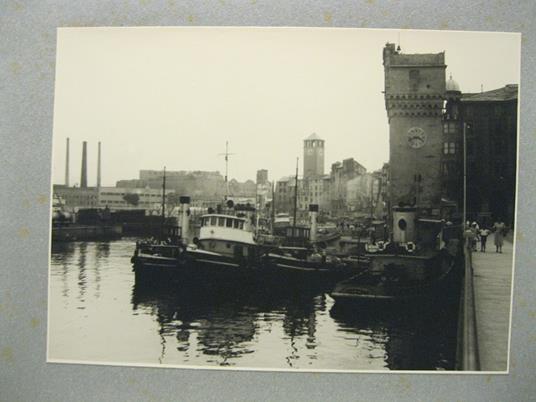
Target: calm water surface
99	312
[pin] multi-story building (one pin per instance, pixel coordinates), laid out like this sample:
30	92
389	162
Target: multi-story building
200	185
77	197
341	174
314	190
491	140
490	122
284	194
129	198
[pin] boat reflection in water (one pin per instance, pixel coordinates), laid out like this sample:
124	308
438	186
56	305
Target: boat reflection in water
102	311
224	319
415	336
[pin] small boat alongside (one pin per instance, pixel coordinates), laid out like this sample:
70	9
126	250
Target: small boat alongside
301	262
403	271
406	278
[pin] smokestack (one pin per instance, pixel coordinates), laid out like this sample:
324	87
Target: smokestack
99	167
185	224
67	164
83	176
313	210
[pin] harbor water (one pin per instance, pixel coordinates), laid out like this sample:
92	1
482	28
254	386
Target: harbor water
100	312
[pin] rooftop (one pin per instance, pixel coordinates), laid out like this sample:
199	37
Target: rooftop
506	93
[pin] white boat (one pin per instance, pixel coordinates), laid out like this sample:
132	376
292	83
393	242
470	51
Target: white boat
224	240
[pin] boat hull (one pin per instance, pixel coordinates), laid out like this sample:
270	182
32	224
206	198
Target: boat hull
411	279
283	267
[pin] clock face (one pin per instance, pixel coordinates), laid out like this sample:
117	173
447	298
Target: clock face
416	137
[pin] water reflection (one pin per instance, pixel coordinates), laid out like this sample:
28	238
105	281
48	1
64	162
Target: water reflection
97	302
224	317
414	337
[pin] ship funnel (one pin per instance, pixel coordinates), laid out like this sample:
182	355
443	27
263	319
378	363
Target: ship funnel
83	175
185	222
67	164
313	210
404	225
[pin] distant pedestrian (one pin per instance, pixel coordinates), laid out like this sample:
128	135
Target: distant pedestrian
484	233
474	239
499	227
469	236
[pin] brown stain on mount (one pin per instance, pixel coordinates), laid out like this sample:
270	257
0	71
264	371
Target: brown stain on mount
15	67
328	18
34	322
23	233
7	354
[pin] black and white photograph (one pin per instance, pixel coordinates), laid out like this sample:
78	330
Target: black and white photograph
294	199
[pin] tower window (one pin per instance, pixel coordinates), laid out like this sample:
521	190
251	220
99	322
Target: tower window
452	148
445	148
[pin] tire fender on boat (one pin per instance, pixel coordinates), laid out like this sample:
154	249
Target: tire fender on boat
410	247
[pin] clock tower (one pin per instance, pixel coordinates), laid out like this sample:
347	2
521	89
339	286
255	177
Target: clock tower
414	96
313	156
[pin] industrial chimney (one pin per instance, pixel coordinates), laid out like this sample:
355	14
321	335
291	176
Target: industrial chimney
83	176
99	167
67	164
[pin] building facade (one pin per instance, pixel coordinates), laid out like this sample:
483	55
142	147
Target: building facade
128	198
77	197
342	173
491	140
414	95
452	156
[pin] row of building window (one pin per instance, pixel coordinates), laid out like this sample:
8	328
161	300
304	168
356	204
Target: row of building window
124	203
121	194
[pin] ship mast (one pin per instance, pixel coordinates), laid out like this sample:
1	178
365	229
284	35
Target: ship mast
273	207
295	198
464	175
163	204
226	154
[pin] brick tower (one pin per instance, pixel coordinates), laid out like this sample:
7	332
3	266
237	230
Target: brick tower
313	156
414	96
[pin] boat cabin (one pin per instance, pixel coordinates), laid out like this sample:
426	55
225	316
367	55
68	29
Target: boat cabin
227	235
296	236
224	221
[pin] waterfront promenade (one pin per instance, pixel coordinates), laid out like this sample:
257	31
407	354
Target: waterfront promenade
492	278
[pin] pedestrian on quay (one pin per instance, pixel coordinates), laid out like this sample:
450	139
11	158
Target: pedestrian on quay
484	233
499	228
469	235
475	238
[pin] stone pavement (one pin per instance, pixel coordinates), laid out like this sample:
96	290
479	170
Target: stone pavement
492	284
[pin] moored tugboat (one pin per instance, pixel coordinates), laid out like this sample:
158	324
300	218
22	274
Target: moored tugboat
302	258
406	270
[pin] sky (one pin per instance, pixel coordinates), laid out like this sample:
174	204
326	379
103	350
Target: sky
172	97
